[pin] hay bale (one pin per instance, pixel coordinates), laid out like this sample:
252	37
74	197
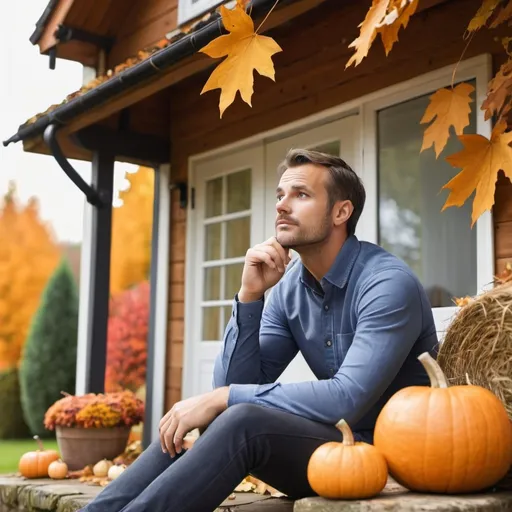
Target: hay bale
477	347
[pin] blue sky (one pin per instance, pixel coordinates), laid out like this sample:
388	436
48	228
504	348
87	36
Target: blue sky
28	86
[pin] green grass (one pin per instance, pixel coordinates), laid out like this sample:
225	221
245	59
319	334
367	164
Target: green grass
12	449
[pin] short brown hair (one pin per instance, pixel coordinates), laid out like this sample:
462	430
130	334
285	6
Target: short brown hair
346	184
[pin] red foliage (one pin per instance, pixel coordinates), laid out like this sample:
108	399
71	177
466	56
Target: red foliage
127	339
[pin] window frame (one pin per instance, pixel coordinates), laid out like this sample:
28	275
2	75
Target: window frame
478	69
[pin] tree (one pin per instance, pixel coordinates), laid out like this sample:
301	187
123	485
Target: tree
28	256
49	361
127	339
131	232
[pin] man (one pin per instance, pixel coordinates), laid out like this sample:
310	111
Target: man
358	315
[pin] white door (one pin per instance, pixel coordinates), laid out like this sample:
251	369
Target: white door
226	221
340	138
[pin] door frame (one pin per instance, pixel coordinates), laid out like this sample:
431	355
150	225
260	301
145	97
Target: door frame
221	165
478	67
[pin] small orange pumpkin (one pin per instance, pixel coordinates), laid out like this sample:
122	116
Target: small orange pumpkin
35	464
444	439
347	470
58	470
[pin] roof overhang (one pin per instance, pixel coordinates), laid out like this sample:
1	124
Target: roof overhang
149	77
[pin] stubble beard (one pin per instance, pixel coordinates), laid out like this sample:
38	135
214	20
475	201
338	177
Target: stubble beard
306	239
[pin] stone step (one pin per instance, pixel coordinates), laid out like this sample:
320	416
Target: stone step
45	495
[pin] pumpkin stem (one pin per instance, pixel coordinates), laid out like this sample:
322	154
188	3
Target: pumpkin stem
435	374
41	447
348	437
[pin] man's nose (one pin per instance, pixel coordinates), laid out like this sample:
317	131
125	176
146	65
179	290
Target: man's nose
282	206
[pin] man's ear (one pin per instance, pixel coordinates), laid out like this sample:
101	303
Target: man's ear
342	212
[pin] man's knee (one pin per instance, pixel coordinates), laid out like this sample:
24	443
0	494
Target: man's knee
242	417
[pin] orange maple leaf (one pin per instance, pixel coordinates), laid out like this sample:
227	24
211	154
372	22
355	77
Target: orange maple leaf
400	13
368	31
498	91
480	161
482	15
449	107
503	15
246	51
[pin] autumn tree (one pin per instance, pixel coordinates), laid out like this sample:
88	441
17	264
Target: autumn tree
48	365
131	232
28	256
127	339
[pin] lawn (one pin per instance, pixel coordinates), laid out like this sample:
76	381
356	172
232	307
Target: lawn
11	450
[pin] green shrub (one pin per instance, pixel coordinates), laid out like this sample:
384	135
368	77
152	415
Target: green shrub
12	423
49	360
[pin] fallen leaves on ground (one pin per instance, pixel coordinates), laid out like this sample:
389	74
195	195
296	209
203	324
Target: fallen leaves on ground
448	107
385	17
245	52
480	160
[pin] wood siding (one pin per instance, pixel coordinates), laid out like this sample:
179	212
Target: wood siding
310	77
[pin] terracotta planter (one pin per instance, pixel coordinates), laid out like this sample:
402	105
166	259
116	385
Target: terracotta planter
81	446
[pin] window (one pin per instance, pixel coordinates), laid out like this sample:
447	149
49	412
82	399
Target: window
437	245
189	9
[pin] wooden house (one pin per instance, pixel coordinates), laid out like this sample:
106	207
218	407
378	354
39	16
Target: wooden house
216	177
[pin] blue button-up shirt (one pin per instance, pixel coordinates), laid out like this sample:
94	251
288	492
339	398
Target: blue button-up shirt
360	329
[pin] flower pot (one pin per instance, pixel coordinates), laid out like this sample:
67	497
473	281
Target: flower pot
82	446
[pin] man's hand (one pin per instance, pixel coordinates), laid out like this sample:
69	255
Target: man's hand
195	412
264	266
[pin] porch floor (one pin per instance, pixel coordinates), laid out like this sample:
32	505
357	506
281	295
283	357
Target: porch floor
45	495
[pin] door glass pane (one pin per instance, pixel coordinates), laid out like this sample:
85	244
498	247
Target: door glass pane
212	241
239	191
238	237
233	276
214	197
331	148
211	324
439	246
212	283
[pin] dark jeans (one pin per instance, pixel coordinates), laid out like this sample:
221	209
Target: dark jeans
272	445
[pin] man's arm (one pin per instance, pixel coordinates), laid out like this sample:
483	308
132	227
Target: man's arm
257	346
389	323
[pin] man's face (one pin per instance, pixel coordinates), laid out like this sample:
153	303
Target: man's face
303	214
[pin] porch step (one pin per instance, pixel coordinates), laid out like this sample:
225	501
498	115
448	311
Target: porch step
45	495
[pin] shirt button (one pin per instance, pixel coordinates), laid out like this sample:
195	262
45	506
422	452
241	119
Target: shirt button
326	307
328	343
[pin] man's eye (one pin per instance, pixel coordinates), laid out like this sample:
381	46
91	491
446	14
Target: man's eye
302	194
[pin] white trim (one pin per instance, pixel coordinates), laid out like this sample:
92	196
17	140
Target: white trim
85	302
161	302
187	11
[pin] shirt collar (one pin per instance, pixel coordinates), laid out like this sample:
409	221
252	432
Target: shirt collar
340	270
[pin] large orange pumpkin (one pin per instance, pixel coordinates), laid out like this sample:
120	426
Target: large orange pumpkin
444	439
35	464
347	470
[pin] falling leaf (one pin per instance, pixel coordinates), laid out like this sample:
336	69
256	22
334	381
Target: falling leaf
482	15
403	10
449	107
246	51
498	91
503	15
480	161
505	275
368	31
